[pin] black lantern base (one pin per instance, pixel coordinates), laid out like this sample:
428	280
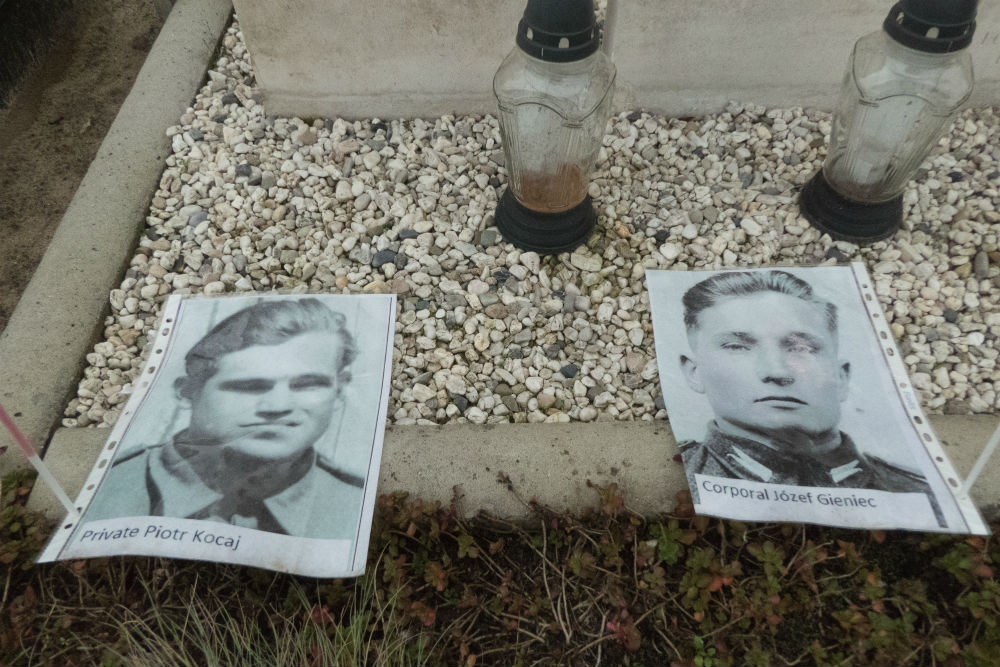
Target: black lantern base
845	219
545	233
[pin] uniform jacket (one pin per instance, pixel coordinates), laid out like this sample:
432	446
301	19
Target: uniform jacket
160	481
723	455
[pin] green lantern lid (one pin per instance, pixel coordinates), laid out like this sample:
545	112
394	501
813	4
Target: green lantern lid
558	31
933	26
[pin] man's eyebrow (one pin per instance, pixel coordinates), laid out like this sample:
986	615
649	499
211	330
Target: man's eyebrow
738	336
804	337
246	384
311	380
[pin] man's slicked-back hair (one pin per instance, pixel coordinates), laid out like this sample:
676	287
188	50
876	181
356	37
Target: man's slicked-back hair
268	322
721	286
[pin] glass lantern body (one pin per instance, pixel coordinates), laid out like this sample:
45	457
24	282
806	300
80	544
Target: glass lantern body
552	119
895	103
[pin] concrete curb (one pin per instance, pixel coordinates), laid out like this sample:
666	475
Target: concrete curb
60	314
550	462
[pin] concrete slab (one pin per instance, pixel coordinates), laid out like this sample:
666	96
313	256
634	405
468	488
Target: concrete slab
381	58
419	58
550	462
60	314
691	58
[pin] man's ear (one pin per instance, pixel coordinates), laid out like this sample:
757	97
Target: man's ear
844	373
182	389
690	369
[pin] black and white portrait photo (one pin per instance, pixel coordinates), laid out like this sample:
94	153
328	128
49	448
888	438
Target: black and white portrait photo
778	385
265	413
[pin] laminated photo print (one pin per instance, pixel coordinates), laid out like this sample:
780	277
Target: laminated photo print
253	437
789	402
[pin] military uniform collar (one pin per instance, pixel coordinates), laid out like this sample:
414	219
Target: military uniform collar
169	469
754	460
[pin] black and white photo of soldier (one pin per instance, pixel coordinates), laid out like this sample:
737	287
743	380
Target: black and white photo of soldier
261	388
764	352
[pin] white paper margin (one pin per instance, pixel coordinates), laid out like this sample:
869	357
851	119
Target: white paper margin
910	403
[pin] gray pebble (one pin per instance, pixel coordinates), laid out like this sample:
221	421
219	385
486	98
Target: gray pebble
466	249
455	299
490	237
836	254
981	265
361	254
569	370
383	257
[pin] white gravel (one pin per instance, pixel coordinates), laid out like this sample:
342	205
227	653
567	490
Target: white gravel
488	334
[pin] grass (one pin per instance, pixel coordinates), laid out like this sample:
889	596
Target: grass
605	587
209	629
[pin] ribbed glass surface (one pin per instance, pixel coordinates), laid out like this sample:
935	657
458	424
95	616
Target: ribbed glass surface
875	148
894	105
552	118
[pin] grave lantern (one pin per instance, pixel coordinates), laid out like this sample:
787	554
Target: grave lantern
553	95
902	88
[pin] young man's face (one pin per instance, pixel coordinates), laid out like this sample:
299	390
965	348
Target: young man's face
768	365
269	402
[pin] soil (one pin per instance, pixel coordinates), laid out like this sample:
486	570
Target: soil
55	122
